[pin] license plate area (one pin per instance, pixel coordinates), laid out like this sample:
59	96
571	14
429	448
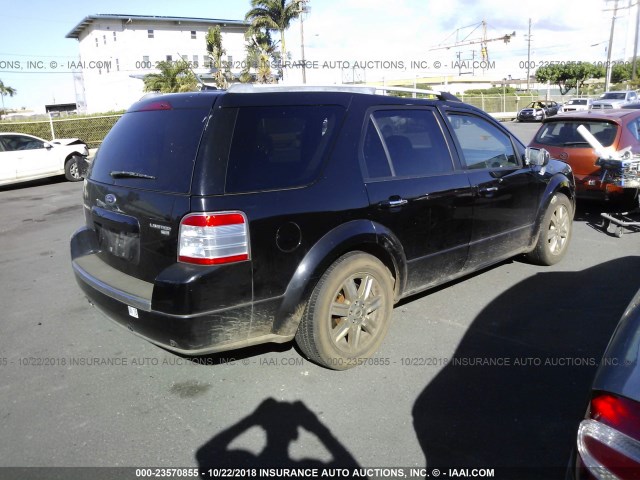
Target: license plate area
118	234
119	244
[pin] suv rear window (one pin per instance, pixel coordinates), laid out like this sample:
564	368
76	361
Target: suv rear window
160	144
279	146
565	133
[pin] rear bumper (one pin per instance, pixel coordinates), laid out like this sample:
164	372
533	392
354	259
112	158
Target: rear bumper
591	186
131	303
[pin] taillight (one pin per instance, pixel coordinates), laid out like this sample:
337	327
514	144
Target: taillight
153	106
213	238
609	439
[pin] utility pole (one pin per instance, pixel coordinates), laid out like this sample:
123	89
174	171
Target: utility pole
607	81
303	9
528	55
635	43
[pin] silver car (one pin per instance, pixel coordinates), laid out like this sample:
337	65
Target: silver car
609	100
609	436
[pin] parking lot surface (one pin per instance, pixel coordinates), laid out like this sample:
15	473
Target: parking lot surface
492	371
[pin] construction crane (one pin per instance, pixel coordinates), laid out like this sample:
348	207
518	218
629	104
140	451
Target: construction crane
484	52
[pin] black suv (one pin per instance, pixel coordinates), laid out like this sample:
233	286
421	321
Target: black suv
218	220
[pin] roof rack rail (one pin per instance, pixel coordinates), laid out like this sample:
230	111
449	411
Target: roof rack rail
261	87
440	95
370	89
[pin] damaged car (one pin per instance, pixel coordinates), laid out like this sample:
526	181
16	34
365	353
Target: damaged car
26	157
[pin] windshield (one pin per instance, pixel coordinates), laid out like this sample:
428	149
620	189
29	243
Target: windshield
577	101
613	96
565	133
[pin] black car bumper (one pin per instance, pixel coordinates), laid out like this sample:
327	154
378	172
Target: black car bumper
132	304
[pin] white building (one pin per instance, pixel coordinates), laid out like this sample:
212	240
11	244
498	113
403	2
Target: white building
116	51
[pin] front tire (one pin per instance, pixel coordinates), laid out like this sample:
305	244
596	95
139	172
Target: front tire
348	314
72	168
555	232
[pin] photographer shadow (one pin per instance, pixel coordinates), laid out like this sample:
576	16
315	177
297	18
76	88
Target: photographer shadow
281	422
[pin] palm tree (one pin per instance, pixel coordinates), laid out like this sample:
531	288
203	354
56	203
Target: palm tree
274	15
216	52
260	51
173	77
6	90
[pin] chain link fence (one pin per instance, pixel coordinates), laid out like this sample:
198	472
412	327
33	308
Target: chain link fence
90	130
511	102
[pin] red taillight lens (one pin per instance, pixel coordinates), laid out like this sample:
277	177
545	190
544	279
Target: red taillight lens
213	238
609	440
617	412
153	106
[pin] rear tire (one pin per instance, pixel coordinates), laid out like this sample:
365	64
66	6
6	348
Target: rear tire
349	312
555	232
72	168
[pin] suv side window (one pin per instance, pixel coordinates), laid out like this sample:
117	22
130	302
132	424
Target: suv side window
483	145
279	147
405	143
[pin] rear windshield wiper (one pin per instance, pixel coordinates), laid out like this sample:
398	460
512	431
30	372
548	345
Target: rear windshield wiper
122	174
583	142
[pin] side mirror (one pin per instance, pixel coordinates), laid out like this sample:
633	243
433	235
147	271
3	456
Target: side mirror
537	157
47	145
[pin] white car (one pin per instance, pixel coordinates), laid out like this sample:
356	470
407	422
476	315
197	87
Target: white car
576	105
25	157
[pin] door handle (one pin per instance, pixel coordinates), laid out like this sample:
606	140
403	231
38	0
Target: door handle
393	202
487	191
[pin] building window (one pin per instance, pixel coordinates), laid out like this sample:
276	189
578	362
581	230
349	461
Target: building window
97	42
229	60
146	60
169	58
193	34
185	58
149	33
195	61
117	65
104	39
114	37
207	62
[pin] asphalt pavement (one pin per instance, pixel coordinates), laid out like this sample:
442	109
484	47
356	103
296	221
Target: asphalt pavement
492	371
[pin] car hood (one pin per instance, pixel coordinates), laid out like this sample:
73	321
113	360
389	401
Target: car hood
67	141
582	160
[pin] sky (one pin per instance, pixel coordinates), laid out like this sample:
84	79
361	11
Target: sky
341	32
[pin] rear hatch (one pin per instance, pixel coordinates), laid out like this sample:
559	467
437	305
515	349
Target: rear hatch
563	141
140	182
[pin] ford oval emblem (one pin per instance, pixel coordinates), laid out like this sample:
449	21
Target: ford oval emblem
110	199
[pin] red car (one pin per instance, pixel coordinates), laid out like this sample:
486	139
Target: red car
614	128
